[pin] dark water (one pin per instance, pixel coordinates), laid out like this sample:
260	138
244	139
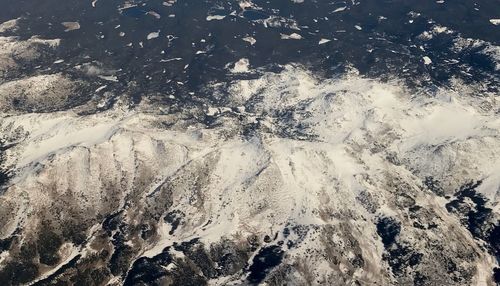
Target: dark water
134	12
388	45
254	15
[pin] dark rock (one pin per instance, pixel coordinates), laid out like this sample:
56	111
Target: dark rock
263	262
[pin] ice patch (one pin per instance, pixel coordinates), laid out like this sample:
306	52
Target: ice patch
153	35
324	41
293	36
340	9
495	22
215	17
250	40
154	14
112	78
71	26
427	60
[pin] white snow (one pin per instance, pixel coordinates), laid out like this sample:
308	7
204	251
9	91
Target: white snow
71	26
307	168
340	9
324	41
292	36
250	40
9	25
53	134
241	66
427	60
215	17
153	35
495	22
112	78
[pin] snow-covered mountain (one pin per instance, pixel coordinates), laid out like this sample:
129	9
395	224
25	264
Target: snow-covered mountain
276	175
